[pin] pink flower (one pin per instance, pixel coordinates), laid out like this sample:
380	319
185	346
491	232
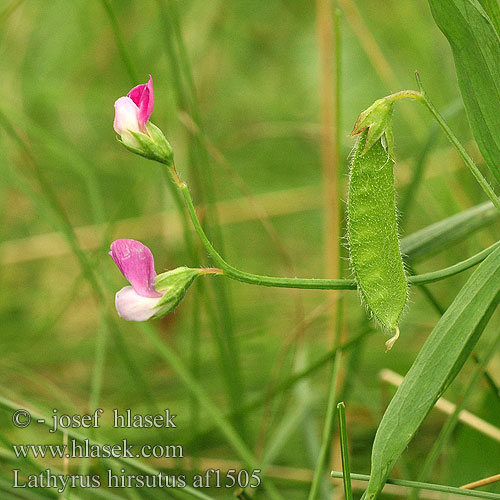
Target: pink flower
143	98
133	111
138	302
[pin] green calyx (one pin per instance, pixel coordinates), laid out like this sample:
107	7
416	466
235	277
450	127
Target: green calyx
174	285
378	120
152	145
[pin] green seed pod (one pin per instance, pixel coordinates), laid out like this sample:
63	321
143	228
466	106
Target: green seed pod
372	231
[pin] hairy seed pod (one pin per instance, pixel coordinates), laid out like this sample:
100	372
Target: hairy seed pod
372	231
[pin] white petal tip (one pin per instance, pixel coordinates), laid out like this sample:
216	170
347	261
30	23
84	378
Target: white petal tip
133	307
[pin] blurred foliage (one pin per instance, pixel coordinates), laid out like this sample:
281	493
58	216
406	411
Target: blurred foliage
255	67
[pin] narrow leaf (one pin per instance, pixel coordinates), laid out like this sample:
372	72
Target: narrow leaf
476	47
440	359
492	8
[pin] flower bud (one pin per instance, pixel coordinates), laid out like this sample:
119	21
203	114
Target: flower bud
137	133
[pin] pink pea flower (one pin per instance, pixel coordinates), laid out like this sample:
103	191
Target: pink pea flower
137	133
132	112
138	302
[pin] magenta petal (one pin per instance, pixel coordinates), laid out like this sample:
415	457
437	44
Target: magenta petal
143	97
136	93
146	103
136	263
133	307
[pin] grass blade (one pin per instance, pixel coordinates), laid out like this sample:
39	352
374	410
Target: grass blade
492	8
328	428
475	45
183	84
442	234
288	383
345	452
129	65
453	419
192	385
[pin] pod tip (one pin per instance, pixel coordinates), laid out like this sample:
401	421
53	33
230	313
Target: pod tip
389	343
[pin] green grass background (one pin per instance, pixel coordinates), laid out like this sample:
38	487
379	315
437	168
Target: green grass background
256	72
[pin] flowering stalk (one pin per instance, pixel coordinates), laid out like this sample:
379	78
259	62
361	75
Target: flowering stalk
140	136
305	283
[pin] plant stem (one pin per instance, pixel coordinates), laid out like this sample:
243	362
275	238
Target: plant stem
327	432
188	491
328	51
345	452
329	45
425	486
232	272
418	169
9	10
431	277
97	376
183	83
422	97
309	283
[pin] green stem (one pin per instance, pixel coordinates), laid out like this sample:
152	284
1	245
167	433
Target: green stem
327	432
312	283
425	486
199	296
201	172
403	94
418	169
53	211
255	279
97	377
422	97
447	272
341	174
9	10
227	358
331	71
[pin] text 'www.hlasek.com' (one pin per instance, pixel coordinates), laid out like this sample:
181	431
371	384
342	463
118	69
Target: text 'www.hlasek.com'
77	461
